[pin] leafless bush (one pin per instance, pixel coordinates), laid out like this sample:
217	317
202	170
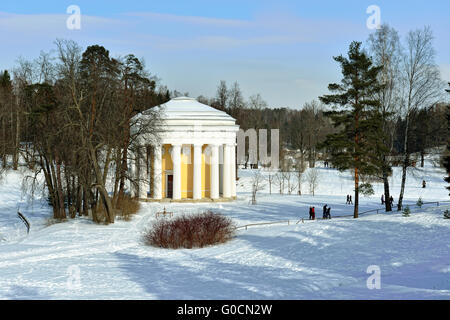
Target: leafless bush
127	207
190	231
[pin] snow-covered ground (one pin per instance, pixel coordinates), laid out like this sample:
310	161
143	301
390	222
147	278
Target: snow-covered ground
322	259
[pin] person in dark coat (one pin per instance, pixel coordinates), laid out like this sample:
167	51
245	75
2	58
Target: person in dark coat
382	199
391	199
310	213
348	200
313	213
324	212
351	202
328	213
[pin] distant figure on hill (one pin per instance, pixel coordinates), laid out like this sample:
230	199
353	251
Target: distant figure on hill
348	199
391	199
382	199
351	202
312	213
328	214
424	184
324	212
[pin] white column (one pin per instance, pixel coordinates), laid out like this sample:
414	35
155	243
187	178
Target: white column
197	172
226	171
214	183
233	170
157	173
142	170
176	159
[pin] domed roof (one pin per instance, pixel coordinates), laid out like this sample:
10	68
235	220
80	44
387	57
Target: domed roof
185	108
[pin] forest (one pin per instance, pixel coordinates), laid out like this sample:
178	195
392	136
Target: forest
67	115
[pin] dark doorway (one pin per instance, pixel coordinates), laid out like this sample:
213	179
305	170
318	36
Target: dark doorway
170	186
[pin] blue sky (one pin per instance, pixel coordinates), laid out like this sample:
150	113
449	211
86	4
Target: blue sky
280	49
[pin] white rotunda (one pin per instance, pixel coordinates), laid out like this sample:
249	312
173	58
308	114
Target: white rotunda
195	157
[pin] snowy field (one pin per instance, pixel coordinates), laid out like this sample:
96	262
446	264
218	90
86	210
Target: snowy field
322	259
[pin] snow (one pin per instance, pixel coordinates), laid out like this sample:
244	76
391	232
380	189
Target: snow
322	259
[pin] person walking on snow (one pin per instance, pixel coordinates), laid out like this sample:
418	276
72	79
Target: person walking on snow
324	212
310	213
313	213
328	214
382	199
348	200
351	202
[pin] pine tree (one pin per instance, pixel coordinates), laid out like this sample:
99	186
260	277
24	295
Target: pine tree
356	146
406	211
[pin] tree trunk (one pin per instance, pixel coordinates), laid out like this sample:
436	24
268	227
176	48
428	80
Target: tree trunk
101	187
59	189
355	210
17	143
387	195
405	165
402	188
422	158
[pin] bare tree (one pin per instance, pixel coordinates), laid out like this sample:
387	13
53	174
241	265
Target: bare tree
270	180
291	186
235	98
222	95
421	83
313	177
257	184
300	168
385	48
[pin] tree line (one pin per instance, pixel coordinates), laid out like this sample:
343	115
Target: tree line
67	116
388	107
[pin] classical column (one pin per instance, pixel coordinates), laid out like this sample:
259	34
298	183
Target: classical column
157	172
176	159
197	172
226	171
233	170
214	183
143	186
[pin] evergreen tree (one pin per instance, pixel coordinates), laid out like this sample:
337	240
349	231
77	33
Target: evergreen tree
357	145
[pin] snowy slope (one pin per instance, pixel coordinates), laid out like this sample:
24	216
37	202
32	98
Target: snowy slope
311	260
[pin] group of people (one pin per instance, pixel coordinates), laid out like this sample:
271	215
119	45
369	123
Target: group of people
349	199
391	200
326	212
325	164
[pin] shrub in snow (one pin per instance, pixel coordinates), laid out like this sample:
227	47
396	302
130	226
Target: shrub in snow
446	214
190	231
419	202
406	211
127	207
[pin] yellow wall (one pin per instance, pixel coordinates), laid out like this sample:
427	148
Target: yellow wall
206	175
166	165
187	173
